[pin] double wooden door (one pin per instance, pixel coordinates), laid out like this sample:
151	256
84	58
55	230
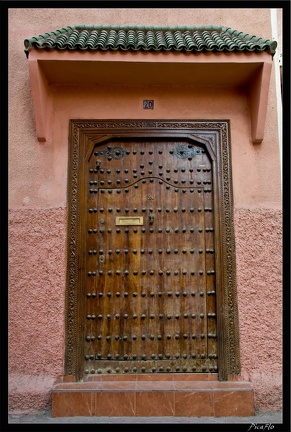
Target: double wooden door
148	262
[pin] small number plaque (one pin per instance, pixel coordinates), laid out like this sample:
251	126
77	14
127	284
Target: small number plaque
148	104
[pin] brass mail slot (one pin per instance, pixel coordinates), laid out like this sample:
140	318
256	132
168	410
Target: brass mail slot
129	220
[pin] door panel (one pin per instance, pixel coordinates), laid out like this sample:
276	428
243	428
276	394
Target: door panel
148	263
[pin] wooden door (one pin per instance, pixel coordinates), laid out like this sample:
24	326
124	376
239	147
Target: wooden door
148	262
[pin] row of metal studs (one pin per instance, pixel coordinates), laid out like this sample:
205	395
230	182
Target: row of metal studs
154	369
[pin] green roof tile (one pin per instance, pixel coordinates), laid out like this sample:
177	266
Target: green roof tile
146	38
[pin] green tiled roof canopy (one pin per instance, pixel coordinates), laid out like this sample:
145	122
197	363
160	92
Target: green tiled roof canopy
143	38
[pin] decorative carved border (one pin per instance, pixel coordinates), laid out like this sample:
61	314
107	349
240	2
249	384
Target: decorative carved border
72	252
210	131
228	255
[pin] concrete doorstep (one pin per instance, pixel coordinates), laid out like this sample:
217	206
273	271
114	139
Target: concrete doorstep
263	418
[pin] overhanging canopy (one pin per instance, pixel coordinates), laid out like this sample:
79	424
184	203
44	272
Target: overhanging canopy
202	56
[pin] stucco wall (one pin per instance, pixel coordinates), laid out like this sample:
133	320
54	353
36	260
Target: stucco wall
38	199
37	239
259	281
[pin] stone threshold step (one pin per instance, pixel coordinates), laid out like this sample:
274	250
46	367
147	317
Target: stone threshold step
153	398
149	377
124	386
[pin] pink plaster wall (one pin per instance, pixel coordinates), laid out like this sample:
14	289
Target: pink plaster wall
38	200
37	270
259	284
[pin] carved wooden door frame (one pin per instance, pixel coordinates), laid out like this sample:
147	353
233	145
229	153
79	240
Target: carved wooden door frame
215	136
